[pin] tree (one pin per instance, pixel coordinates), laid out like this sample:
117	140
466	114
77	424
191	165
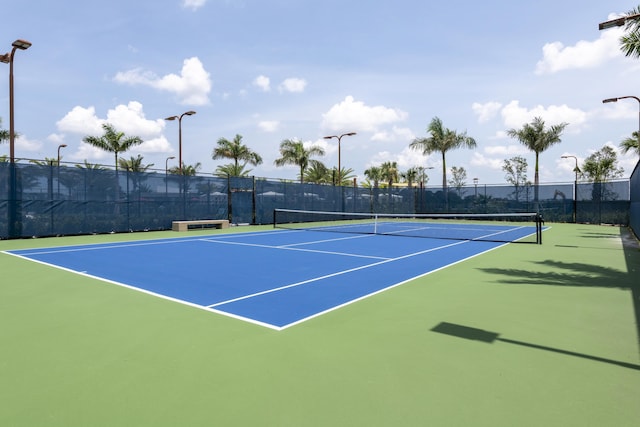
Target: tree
537	138
237	151
410	176
134	164
293	152
599	168
602	166
4	133
374	174
113	141
630	41
318	173
137	169
459	178
225	171
346	175
515	170
631	144
389	173
442	140
185	171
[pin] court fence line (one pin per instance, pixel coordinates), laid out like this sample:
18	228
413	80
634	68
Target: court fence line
48	200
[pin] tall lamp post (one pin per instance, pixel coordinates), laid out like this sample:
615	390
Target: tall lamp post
13	217
58	167
605	101
179	118
166	174
339	138
59	147
575	187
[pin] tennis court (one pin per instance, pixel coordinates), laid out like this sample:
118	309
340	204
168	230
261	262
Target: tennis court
511	334
282	277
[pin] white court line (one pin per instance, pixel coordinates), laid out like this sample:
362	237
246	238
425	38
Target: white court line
116	245
315	279
288	248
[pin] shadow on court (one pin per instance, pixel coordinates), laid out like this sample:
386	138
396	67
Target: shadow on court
587	275
489	337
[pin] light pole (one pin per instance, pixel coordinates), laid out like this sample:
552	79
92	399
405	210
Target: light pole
166	174
8	58
59	147
13	217
339	138
618	22
575	187
179	118
605	101
58	167
475	184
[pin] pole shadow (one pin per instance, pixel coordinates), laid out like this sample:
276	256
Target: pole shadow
489	337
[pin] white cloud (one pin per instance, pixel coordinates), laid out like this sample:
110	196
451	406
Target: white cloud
293	85
479	159
263	82
354	116
269	125
486	111
81	120
584	54
193	4
56	138
395	134
154	145
192	86
25	144
514	116
506	150
129	119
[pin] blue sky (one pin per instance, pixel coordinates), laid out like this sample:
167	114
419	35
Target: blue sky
271	70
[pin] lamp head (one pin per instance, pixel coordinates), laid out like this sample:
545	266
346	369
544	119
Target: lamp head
604	101
189	113
21	44
172	118
5	58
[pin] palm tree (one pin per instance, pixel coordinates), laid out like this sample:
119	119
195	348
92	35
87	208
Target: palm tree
225	171
186	170
374	174
346	175
317	172
389	172
537	138
630	41
4	134
294	153
442	140
134	165
631	144
237	151
113	141
410	176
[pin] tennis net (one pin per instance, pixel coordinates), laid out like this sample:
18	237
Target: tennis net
504	227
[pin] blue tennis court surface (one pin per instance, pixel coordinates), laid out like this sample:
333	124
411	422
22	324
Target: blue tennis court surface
273	278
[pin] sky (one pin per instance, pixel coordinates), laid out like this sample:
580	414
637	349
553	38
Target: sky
271	70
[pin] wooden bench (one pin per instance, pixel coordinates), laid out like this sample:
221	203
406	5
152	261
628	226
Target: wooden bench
199	223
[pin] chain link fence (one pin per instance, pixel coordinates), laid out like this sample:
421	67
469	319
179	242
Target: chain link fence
49	200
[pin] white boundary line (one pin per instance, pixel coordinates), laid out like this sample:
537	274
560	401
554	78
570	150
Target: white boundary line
211	308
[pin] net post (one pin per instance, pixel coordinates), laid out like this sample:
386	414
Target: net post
539	223
274	218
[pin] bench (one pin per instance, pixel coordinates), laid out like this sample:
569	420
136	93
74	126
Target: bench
199	223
